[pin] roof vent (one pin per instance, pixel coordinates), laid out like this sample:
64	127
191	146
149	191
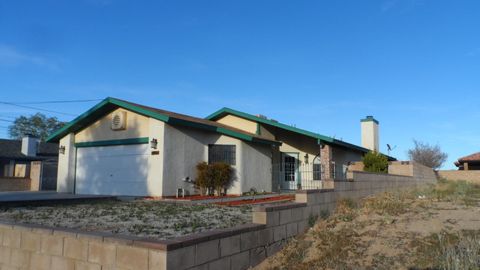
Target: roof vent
119	120
262	116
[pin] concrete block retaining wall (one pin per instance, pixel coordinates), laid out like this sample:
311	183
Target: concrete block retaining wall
455	175
35	247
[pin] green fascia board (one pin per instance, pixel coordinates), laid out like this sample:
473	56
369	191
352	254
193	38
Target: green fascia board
105	106
370	119
224	111
321	138
70	125
221	130
92	114
142	140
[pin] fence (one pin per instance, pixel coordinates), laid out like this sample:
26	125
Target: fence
304	176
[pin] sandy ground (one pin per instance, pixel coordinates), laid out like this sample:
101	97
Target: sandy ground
154	219
405	236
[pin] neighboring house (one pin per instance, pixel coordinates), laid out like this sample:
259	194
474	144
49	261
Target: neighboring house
123	148
469	163
27	164
304	158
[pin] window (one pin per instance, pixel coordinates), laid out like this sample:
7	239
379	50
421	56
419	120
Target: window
317	171
221	153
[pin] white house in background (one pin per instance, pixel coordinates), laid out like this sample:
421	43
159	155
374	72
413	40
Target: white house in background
122	148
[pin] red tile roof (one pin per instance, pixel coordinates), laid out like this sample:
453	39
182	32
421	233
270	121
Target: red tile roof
472	157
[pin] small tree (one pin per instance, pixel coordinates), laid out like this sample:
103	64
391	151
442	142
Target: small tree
210	177
202	182
222	174
375	162
427	154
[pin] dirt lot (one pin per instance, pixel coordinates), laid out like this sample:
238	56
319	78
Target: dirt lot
430	228
154	219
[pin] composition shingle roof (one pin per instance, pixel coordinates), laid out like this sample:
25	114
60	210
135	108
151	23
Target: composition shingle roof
110	104
12	149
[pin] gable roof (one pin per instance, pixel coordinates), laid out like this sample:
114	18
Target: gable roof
473	157
110	104
321	138
12	149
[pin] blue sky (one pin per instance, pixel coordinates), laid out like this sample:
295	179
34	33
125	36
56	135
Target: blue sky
320	65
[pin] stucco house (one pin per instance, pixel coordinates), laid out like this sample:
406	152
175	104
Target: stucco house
303	158
27	164
123	148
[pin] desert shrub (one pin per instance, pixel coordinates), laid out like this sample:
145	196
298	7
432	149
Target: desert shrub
222	174
450	251
386	204
210	177
346	210
203	181
375	162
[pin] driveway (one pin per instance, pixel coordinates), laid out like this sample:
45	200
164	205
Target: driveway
42	197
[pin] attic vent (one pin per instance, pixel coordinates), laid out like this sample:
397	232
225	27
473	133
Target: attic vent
119	121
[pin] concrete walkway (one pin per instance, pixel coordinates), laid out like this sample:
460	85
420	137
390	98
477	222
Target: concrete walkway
45	197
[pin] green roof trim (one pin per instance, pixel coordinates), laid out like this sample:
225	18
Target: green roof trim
110	104
321	138
224	111
142	140
370	118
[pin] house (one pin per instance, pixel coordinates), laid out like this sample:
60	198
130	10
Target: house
303	158
122	148
469	163
27	164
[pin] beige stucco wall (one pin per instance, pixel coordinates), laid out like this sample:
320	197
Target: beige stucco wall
256	171
240	123
66	164
342	157
184	148
370	136
137	126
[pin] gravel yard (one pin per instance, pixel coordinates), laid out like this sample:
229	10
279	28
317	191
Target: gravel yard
159	220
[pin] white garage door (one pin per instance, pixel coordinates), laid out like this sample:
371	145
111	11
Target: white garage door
112	170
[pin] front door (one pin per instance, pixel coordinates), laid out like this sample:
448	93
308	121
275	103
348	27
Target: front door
289	174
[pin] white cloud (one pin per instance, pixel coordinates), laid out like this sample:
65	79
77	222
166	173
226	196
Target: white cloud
11	57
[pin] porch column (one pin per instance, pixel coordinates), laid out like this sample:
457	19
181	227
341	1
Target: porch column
465	166
326	161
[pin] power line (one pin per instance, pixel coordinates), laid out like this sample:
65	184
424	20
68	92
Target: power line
35	108
6	120
58	101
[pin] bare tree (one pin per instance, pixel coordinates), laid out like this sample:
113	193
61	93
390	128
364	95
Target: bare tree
427	154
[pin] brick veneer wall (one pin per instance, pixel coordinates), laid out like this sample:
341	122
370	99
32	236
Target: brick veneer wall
455	175
14	184
34	247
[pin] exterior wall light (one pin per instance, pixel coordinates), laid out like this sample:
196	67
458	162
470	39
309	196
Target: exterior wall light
306	158
153	143
61	149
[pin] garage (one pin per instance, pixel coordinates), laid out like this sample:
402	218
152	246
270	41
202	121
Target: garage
112	170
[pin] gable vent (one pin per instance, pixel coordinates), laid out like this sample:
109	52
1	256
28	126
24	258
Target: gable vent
119	120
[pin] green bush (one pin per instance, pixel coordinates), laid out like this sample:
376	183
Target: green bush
375	162
213	177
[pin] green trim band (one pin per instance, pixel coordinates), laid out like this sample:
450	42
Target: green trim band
142	140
